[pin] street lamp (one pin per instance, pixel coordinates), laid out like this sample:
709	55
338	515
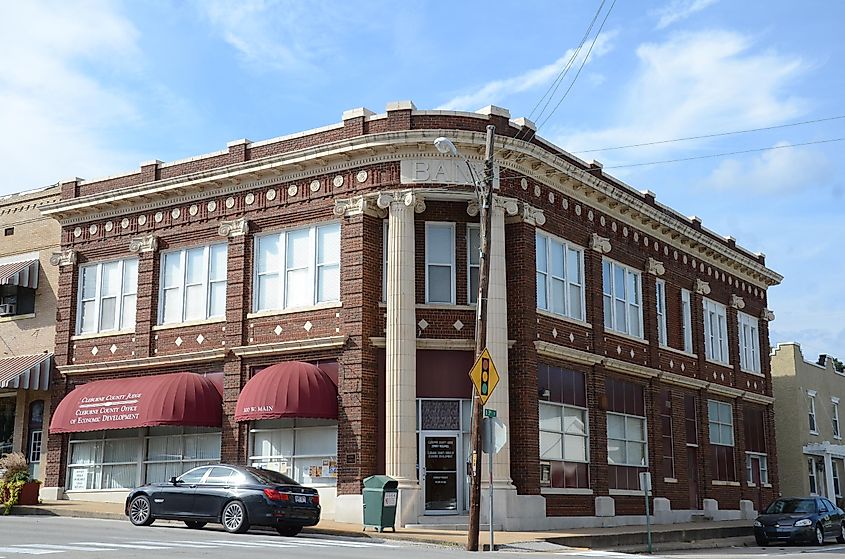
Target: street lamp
484	194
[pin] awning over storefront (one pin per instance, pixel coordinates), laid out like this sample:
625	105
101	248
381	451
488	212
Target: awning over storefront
23	273
291	389
30	372
170	399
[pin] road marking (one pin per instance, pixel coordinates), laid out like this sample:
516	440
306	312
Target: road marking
327	543
198	545
125	545
63	547
236	544
28	551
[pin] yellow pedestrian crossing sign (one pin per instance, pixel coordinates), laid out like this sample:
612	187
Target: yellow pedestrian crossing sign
484	376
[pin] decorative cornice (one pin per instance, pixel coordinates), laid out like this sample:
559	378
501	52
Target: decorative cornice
701	287
655	267
599	244
528	214
358	205
620	366
144	243
65	257
737	302
767	315
681	380
556	351
233	228
145	362
463	344
407	198
329	342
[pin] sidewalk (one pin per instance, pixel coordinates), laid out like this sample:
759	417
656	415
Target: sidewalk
628	538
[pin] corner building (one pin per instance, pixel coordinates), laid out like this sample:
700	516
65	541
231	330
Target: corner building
331	277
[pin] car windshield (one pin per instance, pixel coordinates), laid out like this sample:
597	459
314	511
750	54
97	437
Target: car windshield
270	477
792	506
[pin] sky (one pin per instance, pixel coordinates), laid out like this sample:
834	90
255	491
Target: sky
93	88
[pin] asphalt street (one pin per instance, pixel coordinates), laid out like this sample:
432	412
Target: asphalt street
76	538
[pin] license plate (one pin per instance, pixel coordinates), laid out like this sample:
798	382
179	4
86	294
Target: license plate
301	498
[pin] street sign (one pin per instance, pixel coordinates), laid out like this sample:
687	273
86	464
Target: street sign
488	412
495	435
484	376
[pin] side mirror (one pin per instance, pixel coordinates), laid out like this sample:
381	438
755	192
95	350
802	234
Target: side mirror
174	481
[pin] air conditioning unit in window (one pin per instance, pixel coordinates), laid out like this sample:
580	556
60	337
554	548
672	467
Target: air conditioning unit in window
8	309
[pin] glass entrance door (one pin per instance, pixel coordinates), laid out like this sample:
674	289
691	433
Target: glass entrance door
441	482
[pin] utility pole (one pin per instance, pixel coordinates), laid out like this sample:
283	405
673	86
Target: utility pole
485	202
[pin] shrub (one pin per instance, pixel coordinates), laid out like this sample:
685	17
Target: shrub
15	467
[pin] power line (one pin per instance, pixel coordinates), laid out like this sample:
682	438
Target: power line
724	154
716	135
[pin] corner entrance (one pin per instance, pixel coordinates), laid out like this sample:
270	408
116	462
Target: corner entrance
442	456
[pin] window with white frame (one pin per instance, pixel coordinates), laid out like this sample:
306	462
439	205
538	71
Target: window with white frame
440	262
473	262
563	433
811	409
172	450
715	331
193	284
107	295
749	343
560	276
626	440
622	287
762	465
837	488
297	268
304	449
660	292
720	418
811	470
837	434
686	315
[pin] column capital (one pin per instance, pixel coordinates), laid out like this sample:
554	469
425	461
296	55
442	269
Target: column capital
767	315
144	243
701	287
357	205
406	198
528	214
233	228
508	205
599	244
655	267
737	302
63	258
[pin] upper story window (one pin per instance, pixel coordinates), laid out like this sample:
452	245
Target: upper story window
193	284
473	262
749	343
297	268
560	277
837	434
811	409
107	293
660	295
622	287
686	316
440	263
715	331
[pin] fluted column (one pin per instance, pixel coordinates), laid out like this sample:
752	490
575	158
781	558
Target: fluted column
401	348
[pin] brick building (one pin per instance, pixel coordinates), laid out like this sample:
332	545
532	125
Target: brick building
28	286
331	276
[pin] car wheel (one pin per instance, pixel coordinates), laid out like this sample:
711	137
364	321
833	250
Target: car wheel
819	535
195	524
288	530
761	541
841	537
234	518
139	511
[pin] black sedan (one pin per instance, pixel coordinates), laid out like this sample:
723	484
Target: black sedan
235	496
800	520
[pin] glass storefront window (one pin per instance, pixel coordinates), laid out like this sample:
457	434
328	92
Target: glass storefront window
7	422
304	449
174	450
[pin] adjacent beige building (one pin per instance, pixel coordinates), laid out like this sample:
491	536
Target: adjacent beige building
808	422
28	290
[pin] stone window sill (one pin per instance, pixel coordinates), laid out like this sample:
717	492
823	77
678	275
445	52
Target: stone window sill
107	334
725	483
626	492
188	323
625	336
563	318
16	317
565	491
669	480
278	312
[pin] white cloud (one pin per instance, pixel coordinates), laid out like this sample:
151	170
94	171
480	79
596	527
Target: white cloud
493	92
694	83
678	10
775	171
53	112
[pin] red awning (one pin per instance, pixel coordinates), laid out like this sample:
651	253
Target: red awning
171	399
291	389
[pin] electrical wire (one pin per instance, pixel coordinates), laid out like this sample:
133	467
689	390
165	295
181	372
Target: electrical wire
713	155
715	135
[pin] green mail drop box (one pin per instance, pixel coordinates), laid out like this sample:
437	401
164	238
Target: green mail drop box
380	497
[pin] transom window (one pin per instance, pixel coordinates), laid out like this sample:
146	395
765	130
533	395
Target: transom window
622	287
193	284
560	276
297	268
749	343
660	293
715	331
107	294
440	263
